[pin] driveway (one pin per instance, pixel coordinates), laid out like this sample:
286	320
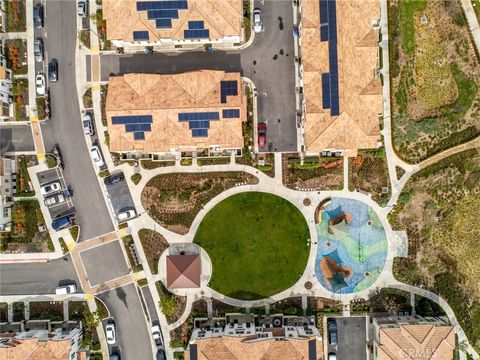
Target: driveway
65	127
36	278
352	338
16	139
125	307
269	62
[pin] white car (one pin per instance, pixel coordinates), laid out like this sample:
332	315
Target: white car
332	356
97	156
257	20
66	289
82	8
126	214
157	336
50	188
110	332
87	124
54	200
40	84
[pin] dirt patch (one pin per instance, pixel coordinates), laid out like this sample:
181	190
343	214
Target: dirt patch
315	172
172	306
181	335
154	244
174	200
51	310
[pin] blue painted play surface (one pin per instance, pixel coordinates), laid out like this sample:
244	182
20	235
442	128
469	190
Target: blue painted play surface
352	257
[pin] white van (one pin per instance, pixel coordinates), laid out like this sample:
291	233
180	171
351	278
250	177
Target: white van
66	289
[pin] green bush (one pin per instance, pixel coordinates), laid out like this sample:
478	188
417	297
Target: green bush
136	178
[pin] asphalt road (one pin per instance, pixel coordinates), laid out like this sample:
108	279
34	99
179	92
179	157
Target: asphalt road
65	127
269	62
36	278
133	337
16	138
352	337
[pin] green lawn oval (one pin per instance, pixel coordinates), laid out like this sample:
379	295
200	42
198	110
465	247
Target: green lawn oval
257	243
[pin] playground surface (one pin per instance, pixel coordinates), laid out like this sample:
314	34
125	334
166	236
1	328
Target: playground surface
352	245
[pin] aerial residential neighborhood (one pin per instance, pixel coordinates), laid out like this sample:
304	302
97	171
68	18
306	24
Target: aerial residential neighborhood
239	179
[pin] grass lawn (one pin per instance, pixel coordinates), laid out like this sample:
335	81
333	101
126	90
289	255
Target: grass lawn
257	243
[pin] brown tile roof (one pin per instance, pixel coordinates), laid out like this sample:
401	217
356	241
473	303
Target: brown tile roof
222	19
34	349
164	97
360	92
416	342
236	348
183	271
3	72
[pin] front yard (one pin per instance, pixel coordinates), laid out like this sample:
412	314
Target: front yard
20	98
16	53
15	15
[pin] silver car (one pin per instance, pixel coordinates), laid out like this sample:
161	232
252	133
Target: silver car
38	49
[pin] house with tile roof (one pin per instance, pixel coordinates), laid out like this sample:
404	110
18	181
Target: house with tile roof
140	23
42	345
6	108
157	114
342	89
413	338
241	339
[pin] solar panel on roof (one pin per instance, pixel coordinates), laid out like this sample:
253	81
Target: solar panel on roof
140	35
326	91
323	32
196	34
196	25
203	124
193	352
163	23
228	87
132	119
162	5
231	113
312	349
161	14
139	135
323	11
137	127
199	132
213	115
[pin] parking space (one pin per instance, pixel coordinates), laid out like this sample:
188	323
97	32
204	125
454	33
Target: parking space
119	195
55	176
351	338
108	262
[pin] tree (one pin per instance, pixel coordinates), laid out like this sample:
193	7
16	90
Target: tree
168	305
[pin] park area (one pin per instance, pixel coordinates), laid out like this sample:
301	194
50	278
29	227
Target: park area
439	209
434	77
258	244
173	200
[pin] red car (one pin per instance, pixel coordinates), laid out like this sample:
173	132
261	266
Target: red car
262	134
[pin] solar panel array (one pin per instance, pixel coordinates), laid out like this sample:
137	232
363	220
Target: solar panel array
137	124
328	31
140	35
196	25
162	11
231	113
227	88
199	122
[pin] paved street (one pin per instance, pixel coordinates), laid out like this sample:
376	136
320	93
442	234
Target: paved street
36	278
16	138
126	309
269	62
65	127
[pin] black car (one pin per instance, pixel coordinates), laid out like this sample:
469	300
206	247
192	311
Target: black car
114	179
53	70
161	355
332	332
38	15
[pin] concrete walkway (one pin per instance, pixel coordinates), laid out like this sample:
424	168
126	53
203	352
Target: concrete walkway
472	21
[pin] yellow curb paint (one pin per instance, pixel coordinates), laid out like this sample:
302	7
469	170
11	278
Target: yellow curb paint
138	275
89	297
122	232
96	87
95	49
33	117
70	245
41	156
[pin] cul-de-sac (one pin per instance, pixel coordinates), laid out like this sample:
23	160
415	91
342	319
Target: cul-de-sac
239	179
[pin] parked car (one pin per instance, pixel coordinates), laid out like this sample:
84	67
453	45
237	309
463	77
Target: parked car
50	188
97	156
88	124
38	15
157	335
66	289
53	70
262	134
82	8
332	356
110	332
115	356
161	354
40	84
38	49
114	179
55	199
126	215
257	20
62	223
332	332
